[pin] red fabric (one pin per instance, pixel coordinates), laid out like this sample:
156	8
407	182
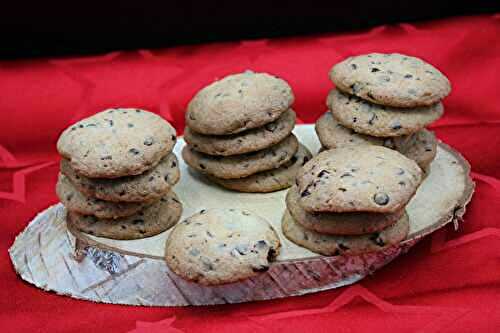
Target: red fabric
449	282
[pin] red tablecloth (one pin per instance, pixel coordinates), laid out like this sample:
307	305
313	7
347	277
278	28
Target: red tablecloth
448	282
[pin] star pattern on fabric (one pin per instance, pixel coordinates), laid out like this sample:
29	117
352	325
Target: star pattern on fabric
164	326
19	182
444	315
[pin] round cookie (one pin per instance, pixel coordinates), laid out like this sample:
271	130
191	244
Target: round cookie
153	220
391	79
420	146
271	180
239	166
422	149
375	120
244	142
358	179
333	245
238	102
217	246
116	143
339	223
332	135
77	202
148	186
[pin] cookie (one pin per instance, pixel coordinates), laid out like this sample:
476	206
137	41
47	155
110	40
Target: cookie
358	179
151	221
339	223
271	180
239	166
244	142
116	143
148	186
375	120
237	103
333	135
334	245
422	148
76	201
391	79
217	246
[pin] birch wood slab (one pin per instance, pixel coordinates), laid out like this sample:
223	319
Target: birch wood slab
71	263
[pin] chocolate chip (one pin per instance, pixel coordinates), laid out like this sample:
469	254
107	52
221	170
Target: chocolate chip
323	173
354	119
108	157
408	76
342	189
381	198
73	128
271	254
371	96
377	240
111	123
305	193
202	166
148	141
130	125
260	268
271	127
343	247
69	196
372	119
134	151
173	137
354	66
346	174
137	111
261	244
174	164
374	70
137	221
402	183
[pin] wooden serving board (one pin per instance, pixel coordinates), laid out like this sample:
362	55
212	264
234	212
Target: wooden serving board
71	263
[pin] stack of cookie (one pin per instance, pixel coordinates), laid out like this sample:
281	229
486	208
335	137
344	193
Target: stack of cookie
351	200
117	173
385	100
239	133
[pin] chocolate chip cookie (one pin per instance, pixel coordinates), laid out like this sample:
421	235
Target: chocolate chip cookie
244	165
358	179
237	103
217	246
391	79
243	142
148	186
116	143
334	245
